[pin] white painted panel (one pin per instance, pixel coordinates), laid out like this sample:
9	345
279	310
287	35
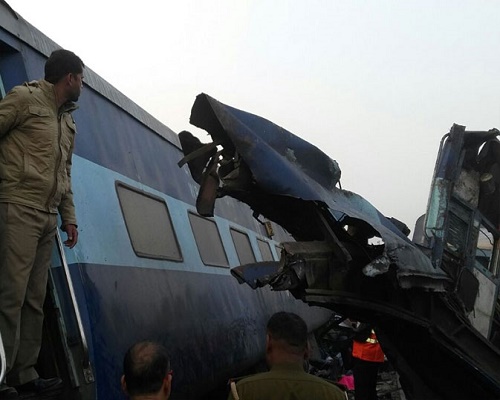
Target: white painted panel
480	317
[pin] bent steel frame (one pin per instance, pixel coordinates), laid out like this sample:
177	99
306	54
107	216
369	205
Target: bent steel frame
434	300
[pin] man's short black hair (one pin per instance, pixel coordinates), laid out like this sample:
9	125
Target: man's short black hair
61	63
145	366
288	327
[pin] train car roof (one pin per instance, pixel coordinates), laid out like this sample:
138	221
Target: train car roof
15	24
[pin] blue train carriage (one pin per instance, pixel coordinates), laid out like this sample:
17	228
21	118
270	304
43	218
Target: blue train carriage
147	265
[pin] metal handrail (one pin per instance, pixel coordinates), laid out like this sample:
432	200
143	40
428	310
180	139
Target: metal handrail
87	368
3	360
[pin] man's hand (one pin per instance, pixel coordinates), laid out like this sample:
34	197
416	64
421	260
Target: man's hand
72	232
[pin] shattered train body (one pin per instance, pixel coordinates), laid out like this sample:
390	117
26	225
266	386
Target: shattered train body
434	300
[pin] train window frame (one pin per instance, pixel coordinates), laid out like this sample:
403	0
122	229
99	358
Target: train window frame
200	239
264	243
130	218
239	250
484	229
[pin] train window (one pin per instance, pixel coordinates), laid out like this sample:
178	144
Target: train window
149	225
487	249
208	241
243	247
484	248
265	250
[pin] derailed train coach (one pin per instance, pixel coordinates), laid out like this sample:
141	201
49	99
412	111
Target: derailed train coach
434	301
147	265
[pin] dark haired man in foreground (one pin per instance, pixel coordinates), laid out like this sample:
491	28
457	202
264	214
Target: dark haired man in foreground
37	134
146	372
286	350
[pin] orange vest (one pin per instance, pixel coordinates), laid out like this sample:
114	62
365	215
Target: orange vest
368	350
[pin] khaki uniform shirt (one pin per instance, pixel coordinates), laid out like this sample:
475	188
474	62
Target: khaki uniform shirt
287	382
36	147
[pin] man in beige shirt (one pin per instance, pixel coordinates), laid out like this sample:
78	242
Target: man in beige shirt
37	134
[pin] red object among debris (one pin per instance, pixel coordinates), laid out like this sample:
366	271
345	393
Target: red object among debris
347	381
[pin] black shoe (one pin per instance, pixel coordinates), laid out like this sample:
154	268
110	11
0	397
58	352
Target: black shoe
41	386
7	393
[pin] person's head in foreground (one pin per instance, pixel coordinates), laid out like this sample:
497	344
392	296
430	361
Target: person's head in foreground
146	372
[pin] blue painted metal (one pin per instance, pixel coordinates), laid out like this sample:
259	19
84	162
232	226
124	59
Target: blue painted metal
435	305
301	168
212	326
304	172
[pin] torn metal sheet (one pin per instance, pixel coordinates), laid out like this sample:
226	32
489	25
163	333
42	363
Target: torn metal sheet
286	179
434	301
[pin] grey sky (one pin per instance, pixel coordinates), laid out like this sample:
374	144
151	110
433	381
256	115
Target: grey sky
374	84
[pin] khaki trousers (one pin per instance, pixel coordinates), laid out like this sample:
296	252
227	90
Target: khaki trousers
26	242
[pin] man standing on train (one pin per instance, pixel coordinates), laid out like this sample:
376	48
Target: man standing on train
37	134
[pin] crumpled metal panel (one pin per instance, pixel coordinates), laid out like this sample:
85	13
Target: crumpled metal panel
282	164
350	258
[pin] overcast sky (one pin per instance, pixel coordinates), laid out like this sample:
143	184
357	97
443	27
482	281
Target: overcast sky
374	84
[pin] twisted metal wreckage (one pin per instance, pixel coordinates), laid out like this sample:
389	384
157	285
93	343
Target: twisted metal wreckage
434	300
